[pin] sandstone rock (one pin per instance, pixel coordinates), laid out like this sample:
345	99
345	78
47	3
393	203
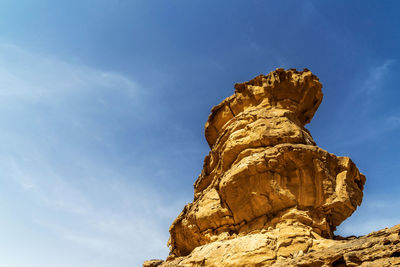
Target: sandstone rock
267	193
378	249
152	263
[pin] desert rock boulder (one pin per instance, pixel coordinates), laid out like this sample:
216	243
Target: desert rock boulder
266	193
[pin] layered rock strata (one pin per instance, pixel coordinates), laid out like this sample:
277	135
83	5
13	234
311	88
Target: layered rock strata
266	190
378	249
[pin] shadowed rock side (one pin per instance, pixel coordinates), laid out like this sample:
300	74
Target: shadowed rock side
266	191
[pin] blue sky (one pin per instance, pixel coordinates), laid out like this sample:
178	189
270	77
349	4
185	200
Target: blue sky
103	105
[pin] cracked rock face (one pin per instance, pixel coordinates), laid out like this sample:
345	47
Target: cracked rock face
266	190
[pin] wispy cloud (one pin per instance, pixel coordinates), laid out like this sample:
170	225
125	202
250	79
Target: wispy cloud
376	76
39	78
57	126
361	106
367	83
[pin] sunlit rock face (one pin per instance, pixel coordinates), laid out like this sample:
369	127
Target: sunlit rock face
266	190
265	168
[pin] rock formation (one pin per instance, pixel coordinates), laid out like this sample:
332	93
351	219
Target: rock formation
267	195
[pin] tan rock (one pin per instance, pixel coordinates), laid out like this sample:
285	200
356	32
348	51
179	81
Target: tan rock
378	249
152	263
267	194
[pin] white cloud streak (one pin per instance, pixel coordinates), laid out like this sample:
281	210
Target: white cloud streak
377	75
77	197
34	77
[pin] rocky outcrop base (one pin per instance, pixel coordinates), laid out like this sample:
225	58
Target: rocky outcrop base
378	249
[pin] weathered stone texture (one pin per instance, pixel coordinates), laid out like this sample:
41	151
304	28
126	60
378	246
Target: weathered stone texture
301	248
267	194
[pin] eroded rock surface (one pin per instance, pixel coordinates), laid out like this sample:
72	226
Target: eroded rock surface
266	193
378	249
